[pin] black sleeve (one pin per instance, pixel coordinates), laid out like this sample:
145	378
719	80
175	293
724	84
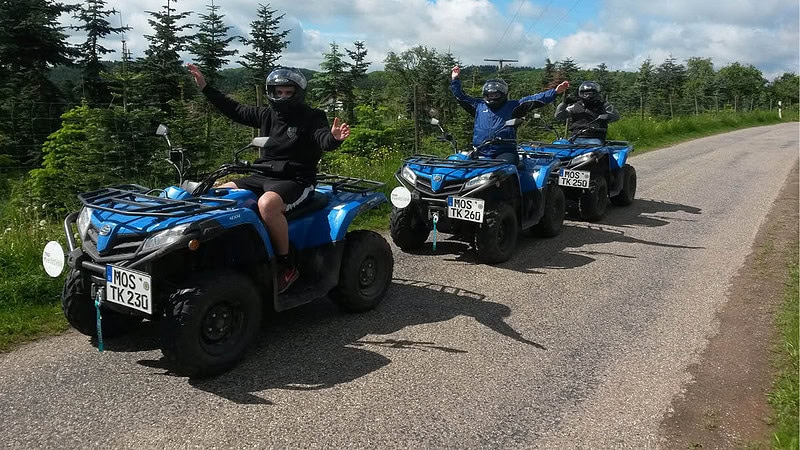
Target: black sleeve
321	131
251	116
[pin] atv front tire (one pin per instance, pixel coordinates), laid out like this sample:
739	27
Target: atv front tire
496	238
81	313
628	192
408	230
208	324
553	218
592	205
365	273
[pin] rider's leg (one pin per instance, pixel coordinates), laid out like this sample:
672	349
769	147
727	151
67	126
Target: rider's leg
271	207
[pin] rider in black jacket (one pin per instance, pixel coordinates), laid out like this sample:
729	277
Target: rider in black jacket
298	134
589	112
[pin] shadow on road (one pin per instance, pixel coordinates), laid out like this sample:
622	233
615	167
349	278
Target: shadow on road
561	252
316	346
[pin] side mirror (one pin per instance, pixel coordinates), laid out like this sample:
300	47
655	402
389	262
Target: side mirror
514	122
259	142
434	121
162	130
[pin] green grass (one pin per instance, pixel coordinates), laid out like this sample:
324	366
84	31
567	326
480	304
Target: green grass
784	395
647	134
29	299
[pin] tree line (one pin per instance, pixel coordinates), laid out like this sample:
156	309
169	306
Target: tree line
68	108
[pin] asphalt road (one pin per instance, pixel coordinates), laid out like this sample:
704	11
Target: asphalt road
580	341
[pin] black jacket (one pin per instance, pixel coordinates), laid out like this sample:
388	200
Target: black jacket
588	116
299	137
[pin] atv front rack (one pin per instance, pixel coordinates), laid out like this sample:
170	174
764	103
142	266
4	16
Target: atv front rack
436	161
349	184
135	200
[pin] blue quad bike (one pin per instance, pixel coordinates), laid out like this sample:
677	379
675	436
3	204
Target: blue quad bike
483	201
591	175
198	260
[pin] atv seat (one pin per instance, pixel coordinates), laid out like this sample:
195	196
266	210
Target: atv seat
314	202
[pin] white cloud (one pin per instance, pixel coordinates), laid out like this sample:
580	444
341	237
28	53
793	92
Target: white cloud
620	33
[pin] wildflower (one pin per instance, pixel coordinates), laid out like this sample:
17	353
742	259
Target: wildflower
42	223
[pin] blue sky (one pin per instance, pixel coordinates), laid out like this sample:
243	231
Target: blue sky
619	33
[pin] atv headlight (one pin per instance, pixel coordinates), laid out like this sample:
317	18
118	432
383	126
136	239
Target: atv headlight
164	237
580	159
480	180
83	222
409	175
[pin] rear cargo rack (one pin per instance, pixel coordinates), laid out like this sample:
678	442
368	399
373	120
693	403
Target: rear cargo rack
135	200
438	161
349	184
552	145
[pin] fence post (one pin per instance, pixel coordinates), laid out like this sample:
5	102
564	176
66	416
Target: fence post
780	113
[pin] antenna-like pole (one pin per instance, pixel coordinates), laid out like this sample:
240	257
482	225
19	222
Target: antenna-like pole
501	61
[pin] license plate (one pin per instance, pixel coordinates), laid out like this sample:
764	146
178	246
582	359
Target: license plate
465	208
574	178
129	288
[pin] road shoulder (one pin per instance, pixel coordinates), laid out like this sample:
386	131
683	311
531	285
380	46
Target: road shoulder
725	406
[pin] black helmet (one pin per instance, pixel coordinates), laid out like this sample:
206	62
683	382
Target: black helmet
495	92
589	91
286	77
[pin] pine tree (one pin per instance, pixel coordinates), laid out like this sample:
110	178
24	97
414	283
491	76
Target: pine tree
358	71
567	70
211	44
549	77
31	44
334	81
670	76
267	44
604	78
93	15
699	82
644	81
165	75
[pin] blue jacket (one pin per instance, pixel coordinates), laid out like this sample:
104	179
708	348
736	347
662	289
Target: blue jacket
488	122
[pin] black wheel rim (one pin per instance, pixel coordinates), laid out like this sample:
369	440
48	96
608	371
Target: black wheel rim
369	275
504	232
221	325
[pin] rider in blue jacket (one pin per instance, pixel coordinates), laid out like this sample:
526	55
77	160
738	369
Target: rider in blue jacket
493	110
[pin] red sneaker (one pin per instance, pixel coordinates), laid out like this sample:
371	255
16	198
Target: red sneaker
286	277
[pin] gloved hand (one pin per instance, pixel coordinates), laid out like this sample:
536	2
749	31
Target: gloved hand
576	108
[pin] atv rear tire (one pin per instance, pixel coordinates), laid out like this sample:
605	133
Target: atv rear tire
628	192
366	272
553	218
80	311
592	204
408	230
496	238
209	323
